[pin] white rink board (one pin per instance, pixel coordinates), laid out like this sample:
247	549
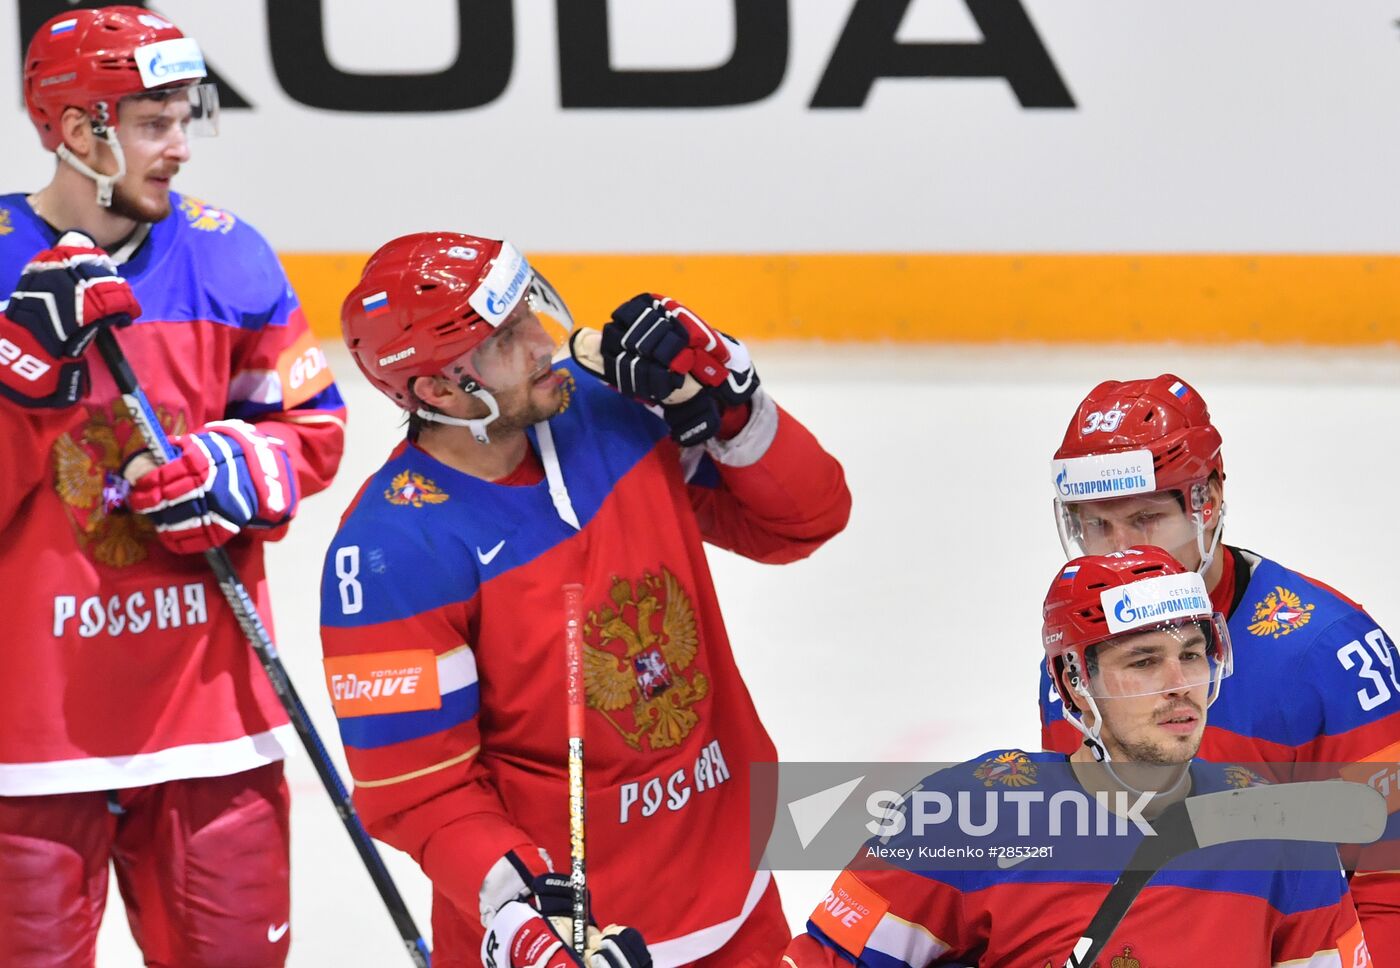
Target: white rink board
1199	126
926	642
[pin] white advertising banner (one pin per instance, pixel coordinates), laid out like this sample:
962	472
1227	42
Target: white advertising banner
786	126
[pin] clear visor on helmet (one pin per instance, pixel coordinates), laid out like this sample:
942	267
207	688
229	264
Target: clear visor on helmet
1154	660
523	345
1164	519
193	108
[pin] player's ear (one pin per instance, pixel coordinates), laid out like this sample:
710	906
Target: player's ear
1066	690
76	129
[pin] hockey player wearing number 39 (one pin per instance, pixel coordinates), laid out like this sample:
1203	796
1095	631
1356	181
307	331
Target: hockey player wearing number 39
443	617
137	728
1024	892
1316	679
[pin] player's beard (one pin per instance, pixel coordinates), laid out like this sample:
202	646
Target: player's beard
130	205
1160	752
533	407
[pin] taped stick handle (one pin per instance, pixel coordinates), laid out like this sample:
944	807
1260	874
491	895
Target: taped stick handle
573	639
246	612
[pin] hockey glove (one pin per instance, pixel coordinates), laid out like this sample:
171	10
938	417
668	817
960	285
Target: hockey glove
65	297
227	477
531	933
654	342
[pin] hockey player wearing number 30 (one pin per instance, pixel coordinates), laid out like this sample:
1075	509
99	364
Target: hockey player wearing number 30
136	726
1140	682
1316	679
443	619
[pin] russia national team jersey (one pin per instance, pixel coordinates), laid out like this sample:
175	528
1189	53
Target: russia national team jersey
1315	680
123	666
443	628
1250	905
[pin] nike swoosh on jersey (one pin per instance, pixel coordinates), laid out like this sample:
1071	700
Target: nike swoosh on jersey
489	556
276	931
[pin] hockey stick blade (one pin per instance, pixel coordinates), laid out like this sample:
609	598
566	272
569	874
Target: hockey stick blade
1323	810
1326	811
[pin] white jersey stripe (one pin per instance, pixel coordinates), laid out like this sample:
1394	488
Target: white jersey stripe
144	769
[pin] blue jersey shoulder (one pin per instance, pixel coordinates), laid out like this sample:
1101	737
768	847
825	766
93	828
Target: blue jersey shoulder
198	263
1291	633
23	235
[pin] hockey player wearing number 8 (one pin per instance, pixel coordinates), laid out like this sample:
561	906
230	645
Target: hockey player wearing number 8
1316	679
443	621
137	728
1024	879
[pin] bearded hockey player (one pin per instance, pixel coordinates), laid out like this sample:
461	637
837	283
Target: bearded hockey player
136	726
443	618
1138	657
1316	679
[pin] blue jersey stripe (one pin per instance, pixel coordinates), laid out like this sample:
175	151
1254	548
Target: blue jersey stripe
372	732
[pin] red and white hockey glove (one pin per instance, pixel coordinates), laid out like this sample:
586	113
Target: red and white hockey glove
654	342
530	933
63	299
228	477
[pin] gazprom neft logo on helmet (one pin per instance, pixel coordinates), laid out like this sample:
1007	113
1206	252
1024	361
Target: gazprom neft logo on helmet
168	61
1153	601
1104	475
503	286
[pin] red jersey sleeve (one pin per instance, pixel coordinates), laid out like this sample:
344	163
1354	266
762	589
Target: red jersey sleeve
771	493
407	701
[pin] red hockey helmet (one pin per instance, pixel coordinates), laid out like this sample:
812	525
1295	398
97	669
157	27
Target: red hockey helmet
91	59
429	300
1114	599
1133	438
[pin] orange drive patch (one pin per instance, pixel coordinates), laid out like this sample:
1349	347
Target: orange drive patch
383	682
1380	771
849	912
303	370
1352	948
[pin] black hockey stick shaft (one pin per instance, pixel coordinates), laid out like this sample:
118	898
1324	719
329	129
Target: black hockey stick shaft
1146	861
1321	811
261	642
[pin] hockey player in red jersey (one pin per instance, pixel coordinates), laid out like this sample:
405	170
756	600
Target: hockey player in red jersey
519	476
136	726
1134	648
1317	680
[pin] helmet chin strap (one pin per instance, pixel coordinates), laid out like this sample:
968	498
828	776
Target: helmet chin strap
106	184
476	425
1208	554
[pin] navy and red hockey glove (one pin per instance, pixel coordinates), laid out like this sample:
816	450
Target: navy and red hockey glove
530	933
64	298
227	477
654	342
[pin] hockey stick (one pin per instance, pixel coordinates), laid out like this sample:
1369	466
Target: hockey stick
256	633
1326	811
573	638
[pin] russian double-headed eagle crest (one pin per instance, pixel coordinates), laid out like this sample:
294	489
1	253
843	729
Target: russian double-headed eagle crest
1012	768
206	217
5	227
412	489
87	477
634	652
1125	960
1280	613
1240	777
568	387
